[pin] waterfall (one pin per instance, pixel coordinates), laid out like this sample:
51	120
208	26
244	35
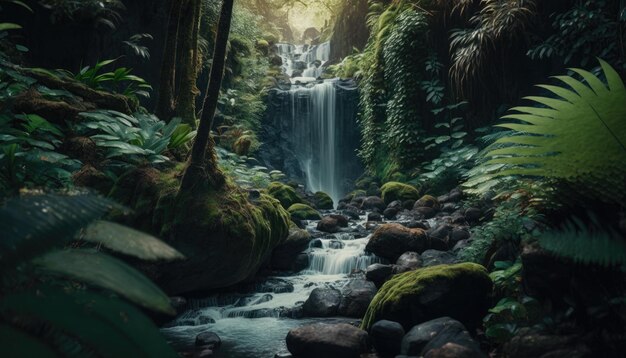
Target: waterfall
311	132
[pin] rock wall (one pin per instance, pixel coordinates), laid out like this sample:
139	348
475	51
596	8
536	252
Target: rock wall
350	30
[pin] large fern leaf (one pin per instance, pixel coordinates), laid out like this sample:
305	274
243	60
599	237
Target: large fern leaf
578	137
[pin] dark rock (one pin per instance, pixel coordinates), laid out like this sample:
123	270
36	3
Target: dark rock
460	291
417	225
392	240
203	352
336	244
455	195
342	221
453	350
373	202
409	260
208	339
285	255
205	320
317	243
427	201
435	334
390	213
473	215
329	224
327	340
374	216
457	235
378	273
530	343
435	257
178	303
356	297
397	204
408	204
386	337
440	232
425	212
461	245
352	213
448	207
323	302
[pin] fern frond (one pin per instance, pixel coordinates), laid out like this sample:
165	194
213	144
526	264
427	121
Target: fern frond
579	138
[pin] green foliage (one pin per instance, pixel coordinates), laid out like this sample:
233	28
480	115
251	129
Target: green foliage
586	243
509	315
43	308
548	142
119	80
506	277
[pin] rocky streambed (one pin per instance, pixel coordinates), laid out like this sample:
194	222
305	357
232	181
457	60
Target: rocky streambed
397	257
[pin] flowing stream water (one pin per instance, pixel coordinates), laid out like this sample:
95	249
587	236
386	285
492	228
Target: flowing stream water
255	324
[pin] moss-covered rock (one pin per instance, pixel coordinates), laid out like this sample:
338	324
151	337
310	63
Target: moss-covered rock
322	201
284	193
427	201
460	291
303	212
392	240
393	191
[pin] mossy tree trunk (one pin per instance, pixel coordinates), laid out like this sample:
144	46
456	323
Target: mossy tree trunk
189	62
166	102
202	168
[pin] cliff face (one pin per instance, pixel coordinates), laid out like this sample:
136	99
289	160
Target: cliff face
350	29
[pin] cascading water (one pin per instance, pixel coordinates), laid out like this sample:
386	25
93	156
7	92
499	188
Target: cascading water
255	324
310	131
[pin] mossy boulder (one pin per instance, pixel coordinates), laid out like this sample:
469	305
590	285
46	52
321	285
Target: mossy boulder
242	145
323	201
393	191
460	291
284	193
427	201
392	240
303	212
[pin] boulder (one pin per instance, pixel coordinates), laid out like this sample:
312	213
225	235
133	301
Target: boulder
356	297
532	343
440	232
393	191
208	339
284	193
285	255
473	215
392	240
332	223
323	302
396	204
374	216
390	213
409	261
436	257
303	212
453	350
435	334
322	201
424	212
327	340
378	273
427	201
373	202
460	291
386	337
457	235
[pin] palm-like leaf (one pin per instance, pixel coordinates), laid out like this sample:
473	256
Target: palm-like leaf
578	137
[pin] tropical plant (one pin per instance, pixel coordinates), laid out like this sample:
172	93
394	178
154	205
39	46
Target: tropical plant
577	138
509	315
4	26
61	295
506	277
134	45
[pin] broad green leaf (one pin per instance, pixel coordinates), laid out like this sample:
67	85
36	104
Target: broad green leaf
9	26
128	241
107	272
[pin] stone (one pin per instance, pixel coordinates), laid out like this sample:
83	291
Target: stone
374	216
323	302
473	215
532	343
460	291
440	232
392	240
378	273
424	212
351	212
417	225
356	297
328	224
327	340
393	191
284	193
453	350
386	337
303	212
285	255
208	339
396	204
322	201
427	201
436	333
409	260
390	213
436	257
457	235
373	202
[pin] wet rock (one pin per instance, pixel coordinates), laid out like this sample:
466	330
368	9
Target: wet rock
435	257
203	352
424	212
453	350
396	204
409	261
336	245
386	337
427	201
327	340
440	232
461	245
408	204
373	202
374	216
393	191
435	334
457	235
390	213
205	320
417	225
473	215
392	240
356	297
332	223
284	256
208	339
378	273
323	302
352	213
460	291
448	207
531	343
317	243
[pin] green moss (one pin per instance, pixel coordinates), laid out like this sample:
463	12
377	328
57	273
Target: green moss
364	182
303	212
429	201
402	290
284	193
397	191
323	201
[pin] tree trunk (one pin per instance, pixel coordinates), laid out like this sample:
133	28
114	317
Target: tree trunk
165	103
200	167
189	63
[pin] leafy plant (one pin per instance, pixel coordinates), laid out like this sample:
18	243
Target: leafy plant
549	140
509	315
45	311
506	277
4	26
134	44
